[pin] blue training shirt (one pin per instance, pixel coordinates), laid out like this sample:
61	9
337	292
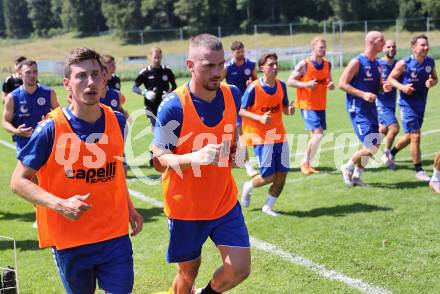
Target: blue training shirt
239	75
37	151
29	109
248	98
367	79
170	115
416	74
111	99
387	100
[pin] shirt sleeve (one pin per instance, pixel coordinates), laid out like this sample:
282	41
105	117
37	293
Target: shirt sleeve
236	93
168	122
140	79
122	121
36	152
248	98
285	96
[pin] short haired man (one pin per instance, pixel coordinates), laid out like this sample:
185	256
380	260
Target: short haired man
13	81
386	103
83	205
361	81
414	76
27	105
114	81
262	108
199	190
240	72
312	77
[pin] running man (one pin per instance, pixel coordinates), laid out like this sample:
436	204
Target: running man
83	205
240	72
262	108
413	76
114	81
158	80
199	190
110	96
386	103
312	78
27	105
361	81
13	81
435	179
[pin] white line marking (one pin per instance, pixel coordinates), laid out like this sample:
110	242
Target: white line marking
317	268
274	250
7	144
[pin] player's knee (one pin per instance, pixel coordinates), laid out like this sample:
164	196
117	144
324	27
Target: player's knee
188	276
415	136
317	137
382	129
394	129
239	273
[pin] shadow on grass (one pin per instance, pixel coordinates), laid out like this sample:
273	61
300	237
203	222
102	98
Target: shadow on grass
26	217
337	211
150	214
23	245
321	169
399	185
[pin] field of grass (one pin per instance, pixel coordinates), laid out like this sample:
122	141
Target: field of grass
386	235
57	47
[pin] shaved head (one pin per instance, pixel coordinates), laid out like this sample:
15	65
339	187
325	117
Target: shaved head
372	36
203	41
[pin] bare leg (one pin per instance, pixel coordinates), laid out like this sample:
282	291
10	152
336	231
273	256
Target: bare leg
235	269
416	154
186	275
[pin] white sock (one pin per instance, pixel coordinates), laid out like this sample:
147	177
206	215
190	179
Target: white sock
315	141
436	175
270	201
306	159
357	172
349	165
248	186
387	151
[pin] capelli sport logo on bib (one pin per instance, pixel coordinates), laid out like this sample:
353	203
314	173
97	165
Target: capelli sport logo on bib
94	175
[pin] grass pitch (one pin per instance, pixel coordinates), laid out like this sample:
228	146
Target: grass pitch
386	235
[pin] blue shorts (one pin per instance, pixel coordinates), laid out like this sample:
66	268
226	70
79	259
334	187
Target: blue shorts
272	158
386	115
366	129
314	119
411	120
110	262
187	237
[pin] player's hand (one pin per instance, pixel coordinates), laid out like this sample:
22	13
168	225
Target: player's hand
291	109
330	85
265	118
369	97
311	84
408	89
74	207
429	82
386	86
136	221
208	155
249	81
22	131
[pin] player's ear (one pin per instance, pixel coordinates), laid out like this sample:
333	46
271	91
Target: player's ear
66	84
189	64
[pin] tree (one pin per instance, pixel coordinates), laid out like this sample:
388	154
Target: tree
124	16
2	21
40	16
159	13
83	17
16	19
410	12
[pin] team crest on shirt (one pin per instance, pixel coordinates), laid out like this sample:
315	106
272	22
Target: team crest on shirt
428	69
114	102
368	73
413	73
247	71
41	101
164	78
23	108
